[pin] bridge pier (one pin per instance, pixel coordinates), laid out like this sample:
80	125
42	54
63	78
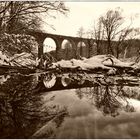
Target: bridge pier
88	51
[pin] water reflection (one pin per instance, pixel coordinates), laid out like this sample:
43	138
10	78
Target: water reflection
21	108
108	99
4	78
97	112
102	111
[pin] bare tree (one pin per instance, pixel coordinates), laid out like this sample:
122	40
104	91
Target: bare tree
121	40
15	15
81	33
98	34
122	36
115	33
111	21
129	41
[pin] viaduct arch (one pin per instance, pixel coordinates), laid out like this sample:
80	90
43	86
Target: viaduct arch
58	39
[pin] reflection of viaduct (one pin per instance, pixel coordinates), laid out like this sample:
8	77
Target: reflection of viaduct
58	39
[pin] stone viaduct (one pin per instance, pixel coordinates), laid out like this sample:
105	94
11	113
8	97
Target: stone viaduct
90	47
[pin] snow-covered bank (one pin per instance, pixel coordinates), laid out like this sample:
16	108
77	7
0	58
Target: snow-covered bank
98	61
22	59
104	62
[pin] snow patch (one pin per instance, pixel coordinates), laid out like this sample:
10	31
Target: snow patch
23	59
98	61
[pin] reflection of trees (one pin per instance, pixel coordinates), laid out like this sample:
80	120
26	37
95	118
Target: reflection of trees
48	130
108	99
79	93
21	111
107	102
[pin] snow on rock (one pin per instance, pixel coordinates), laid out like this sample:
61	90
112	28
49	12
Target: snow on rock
101	60
98	61
82	64
72	64
63	63
23	59
3	59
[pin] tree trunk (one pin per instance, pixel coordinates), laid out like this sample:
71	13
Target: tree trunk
98	49
12	18
117	51
125	52
108	47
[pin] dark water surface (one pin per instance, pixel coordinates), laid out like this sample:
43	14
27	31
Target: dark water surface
96	112
88	120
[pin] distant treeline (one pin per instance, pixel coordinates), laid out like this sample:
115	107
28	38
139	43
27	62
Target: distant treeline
128	49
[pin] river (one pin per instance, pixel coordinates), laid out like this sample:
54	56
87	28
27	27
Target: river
87	120
95	112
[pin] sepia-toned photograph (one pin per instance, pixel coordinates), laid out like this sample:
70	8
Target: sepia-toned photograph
69	70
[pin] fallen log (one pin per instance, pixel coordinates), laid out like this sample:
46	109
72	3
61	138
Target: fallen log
119	66
6	69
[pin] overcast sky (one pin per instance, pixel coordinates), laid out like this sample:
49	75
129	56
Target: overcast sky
83	14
